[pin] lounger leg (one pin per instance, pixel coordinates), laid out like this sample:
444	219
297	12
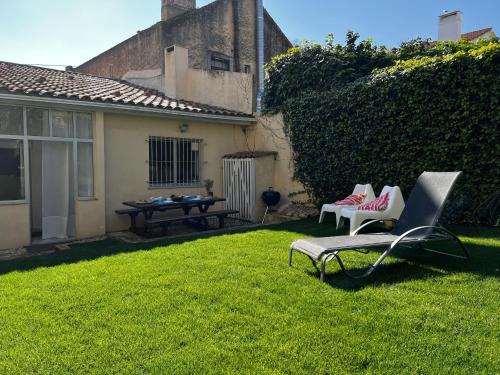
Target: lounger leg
323	268
321	216
290	257
324	260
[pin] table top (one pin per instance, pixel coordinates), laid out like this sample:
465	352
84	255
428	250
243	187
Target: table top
187	201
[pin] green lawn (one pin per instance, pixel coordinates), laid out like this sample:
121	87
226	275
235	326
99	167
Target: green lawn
230	304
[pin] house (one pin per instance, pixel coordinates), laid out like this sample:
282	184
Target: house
450	29
130	124
74	146
208	55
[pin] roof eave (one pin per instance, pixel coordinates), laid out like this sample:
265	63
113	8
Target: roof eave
127	109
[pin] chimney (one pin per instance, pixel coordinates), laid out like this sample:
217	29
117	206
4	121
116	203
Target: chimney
172	8
176	67
450	26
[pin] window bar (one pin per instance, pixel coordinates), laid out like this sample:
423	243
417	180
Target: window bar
190	161
160	161
173	160
157	161
183	161
184	165
149	161
155	158
164	163
152	161
170	161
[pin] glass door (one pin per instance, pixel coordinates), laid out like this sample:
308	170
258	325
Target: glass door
52	190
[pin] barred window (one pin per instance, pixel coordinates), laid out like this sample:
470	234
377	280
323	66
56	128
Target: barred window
174	161
219	61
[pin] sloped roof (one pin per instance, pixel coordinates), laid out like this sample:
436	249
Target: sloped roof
35	81
476	34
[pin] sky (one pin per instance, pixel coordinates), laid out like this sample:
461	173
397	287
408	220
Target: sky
69	32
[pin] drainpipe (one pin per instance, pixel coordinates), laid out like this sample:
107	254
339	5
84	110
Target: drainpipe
236	37
260	53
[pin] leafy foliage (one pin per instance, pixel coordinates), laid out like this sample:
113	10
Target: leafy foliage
419	47
316	67
437	112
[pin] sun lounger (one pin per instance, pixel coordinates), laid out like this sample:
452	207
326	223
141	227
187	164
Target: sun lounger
416	226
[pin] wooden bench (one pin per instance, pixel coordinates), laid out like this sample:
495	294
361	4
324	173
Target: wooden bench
133	213
165	222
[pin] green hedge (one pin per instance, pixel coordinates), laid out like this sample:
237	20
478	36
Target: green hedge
428	114
317	67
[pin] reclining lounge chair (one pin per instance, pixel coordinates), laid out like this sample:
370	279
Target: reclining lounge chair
416	226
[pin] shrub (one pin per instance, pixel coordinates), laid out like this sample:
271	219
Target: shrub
316	67
436	113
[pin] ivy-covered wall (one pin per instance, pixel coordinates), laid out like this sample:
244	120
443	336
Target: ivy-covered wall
434	113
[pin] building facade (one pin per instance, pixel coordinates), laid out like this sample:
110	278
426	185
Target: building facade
220	38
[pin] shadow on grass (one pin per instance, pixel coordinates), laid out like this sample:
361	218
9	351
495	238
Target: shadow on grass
415	264
412	263
386	274
98	249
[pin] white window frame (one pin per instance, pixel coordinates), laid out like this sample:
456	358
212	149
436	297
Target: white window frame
26	138
176	141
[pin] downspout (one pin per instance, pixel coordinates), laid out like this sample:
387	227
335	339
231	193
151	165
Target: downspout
236	36
260	53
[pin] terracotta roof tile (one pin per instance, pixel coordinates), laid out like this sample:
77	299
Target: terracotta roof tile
475	34
36	81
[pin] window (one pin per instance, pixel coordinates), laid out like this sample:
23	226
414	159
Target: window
38	122
219	61
174	161
11	120
83	125
11	170
47	126
85	170
62	124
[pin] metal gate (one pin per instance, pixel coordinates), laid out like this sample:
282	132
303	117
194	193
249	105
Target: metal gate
239	187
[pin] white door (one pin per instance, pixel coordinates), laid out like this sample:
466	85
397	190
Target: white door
239	187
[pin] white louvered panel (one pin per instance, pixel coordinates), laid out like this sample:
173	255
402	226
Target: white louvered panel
239	187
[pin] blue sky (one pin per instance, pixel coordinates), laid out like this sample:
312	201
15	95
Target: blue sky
68	32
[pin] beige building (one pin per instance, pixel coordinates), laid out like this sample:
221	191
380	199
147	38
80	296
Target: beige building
212	54
129	124
73	147
450	29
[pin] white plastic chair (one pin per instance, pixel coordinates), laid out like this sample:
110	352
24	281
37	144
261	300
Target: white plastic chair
392	212
358	189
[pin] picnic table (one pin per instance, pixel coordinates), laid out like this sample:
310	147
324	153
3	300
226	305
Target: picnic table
186	204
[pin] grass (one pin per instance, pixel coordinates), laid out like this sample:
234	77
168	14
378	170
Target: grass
230	304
